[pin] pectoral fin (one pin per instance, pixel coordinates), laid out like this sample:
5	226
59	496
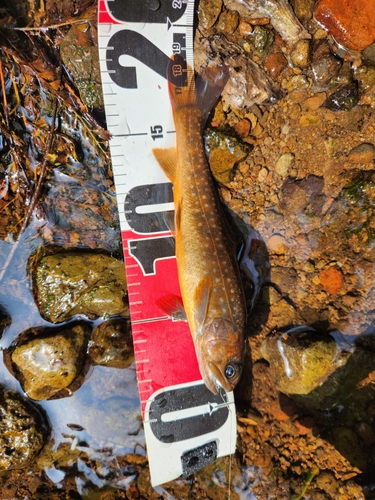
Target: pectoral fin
172	306
167	159
201	299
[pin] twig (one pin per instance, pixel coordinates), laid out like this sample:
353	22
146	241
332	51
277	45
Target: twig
5	104
58	25
38	188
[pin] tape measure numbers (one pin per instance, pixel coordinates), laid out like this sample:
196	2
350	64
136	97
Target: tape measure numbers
186	426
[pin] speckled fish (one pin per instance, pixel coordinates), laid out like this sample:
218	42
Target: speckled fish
208	273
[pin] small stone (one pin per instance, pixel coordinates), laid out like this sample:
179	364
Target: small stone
278	244
262	174
333	145
275	63
350	22
325	68
243	127
111	344
262	39
364	153
300	55
245	28
260	21
228	22
294	83
303	9
313	103
331	280
208	12
343	99
283	164
365	76
224	153
309	119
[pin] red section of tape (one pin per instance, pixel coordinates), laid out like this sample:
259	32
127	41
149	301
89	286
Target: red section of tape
164	349
104	16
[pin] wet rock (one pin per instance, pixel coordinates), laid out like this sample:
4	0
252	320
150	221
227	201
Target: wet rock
73	283
82	60
351	23
301	361
364	153
275	63
22	431
46	365
343	99
245	28
248	84
303	9
313	103
365	76
208	12
228	22
365	433
300	55
224	153
261	39
325	68
296	82
111	344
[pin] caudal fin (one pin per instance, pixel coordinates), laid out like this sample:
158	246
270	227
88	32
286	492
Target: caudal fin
203	92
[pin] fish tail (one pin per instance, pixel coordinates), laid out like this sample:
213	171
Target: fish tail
202	92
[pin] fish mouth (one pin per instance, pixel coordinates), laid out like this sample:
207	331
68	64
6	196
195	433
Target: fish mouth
214	379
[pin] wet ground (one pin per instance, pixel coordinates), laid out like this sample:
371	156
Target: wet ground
291	145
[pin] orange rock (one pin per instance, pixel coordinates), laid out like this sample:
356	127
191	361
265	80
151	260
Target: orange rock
275	63
331	280
243	127
350	22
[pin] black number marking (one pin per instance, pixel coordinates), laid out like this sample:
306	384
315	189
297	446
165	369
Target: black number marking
127	42
186	428
148	194
156	132
147	251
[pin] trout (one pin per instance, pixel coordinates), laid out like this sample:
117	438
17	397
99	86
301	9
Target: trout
208	273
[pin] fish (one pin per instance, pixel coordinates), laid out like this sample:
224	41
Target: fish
208	273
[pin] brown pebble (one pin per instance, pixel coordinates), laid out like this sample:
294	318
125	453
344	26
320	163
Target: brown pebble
313	103
275	63
364	153
331	280
245	28
228	22
260	21
243	127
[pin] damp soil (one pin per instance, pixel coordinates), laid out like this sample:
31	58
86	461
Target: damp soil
293	154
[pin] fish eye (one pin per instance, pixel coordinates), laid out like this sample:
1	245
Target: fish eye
231	371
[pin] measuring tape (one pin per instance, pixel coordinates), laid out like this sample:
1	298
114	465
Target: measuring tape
186	426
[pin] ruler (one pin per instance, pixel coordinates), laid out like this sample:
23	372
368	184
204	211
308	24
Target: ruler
186	426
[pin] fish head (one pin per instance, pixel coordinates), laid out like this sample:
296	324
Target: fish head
220	354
